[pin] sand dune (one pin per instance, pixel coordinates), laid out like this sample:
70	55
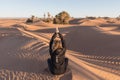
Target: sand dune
110	64
89	40
22	57
93	51
19	61
95	22
89	22
9	22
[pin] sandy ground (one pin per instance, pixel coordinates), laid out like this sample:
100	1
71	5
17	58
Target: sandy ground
21	57
93	52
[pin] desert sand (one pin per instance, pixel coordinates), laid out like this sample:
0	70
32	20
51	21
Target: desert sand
92	49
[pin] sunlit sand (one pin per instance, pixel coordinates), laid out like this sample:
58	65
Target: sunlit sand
93	49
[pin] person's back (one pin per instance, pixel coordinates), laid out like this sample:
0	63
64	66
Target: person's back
58	63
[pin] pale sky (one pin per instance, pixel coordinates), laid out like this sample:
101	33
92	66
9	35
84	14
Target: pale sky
76	8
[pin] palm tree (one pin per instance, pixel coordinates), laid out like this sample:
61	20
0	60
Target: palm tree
44	16
49	15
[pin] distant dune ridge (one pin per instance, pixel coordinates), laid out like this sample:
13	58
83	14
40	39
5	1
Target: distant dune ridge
93	49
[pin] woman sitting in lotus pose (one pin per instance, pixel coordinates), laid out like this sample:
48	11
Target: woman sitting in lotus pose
57	48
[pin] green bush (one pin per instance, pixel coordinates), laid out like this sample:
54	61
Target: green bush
48	20
62	18
56	21
29	20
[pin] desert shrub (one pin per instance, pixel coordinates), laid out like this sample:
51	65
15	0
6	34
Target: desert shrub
90	17
106	17
32	19
48	20
29	20
56	21
62	18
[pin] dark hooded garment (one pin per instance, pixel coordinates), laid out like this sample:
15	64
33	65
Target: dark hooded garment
57	48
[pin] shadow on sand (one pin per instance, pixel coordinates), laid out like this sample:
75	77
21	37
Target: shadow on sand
89	40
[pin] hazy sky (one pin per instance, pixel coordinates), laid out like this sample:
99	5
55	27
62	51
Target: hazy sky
76	8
